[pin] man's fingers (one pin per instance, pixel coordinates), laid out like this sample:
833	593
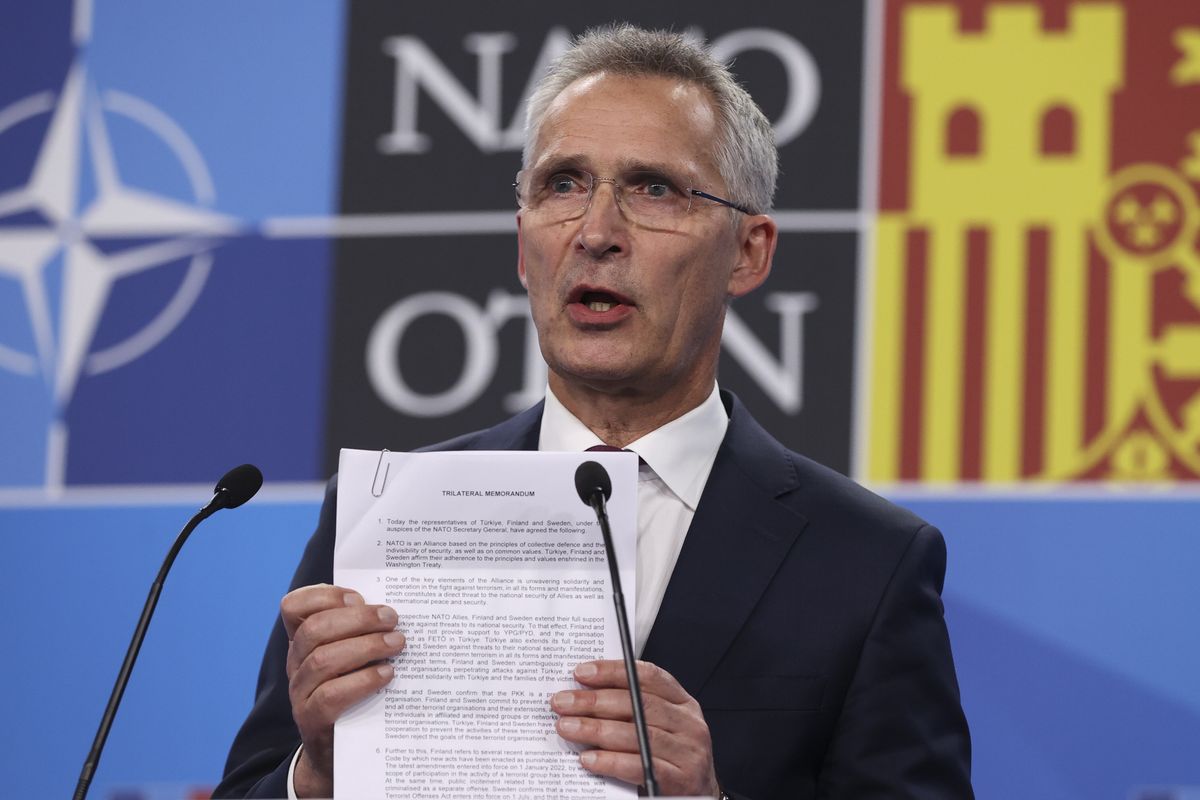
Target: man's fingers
610	674
327	702
599	718
330	661
619	736
605	734
300	604
616	704
336	624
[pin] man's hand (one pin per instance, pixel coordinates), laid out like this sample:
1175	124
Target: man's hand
601	717
335	644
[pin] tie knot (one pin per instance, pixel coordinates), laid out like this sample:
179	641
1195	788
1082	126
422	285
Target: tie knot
608	448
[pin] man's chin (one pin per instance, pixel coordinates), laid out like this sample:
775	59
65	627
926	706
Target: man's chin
603	374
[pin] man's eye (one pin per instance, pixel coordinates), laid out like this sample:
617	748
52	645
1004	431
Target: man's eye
656	187
563	184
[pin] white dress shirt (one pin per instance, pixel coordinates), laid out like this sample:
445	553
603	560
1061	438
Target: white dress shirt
676	461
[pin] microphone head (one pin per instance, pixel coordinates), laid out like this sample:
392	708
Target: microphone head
238	485
590	478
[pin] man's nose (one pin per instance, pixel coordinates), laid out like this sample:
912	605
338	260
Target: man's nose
604	226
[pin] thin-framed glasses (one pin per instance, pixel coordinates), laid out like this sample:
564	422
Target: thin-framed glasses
647	197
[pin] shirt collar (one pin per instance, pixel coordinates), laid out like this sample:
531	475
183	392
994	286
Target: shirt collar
680	453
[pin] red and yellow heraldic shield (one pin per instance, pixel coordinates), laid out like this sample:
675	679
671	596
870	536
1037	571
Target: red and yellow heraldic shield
1036	292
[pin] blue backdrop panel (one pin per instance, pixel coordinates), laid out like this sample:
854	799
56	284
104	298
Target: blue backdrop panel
1075	641
70	608
1073	624
245	368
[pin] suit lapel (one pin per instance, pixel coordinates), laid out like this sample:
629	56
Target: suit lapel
516	433
738	537
737	540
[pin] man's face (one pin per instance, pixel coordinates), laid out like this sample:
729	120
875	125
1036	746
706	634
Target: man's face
621	305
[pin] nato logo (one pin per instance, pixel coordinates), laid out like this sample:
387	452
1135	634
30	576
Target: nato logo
145	319
66	249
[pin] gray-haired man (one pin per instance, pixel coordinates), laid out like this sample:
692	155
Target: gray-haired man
789	622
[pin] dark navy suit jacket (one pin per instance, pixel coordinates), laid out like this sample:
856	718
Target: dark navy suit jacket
804	615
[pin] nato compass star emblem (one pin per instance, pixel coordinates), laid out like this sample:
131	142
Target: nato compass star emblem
48	226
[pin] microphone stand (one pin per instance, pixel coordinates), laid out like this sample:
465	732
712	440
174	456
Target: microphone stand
219	501
596	501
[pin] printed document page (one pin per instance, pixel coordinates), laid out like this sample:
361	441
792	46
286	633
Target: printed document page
497	570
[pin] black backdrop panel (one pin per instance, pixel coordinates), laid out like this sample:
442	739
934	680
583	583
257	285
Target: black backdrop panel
431	126
812	272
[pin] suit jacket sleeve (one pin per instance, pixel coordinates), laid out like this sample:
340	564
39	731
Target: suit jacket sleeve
901	732
262	750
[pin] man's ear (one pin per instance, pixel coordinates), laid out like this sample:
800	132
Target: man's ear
757	237
521	254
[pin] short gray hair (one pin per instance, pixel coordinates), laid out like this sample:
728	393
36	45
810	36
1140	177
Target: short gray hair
744	152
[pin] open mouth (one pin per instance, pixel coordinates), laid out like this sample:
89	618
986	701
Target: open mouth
598	298
599	301
599	306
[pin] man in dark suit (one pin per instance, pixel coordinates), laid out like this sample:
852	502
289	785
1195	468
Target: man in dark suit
789	622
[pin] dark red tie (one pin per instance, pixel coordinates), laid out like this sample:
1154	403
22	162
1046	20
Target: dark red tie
608	448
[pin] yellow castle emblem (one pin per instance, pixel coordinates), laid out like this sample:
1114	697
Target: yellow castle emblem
1036	294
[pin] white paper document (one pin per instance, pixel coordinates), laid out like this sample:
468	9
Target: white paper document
497	570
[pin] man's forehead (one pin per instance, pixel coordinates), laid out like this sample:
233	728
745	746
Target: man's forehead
626	121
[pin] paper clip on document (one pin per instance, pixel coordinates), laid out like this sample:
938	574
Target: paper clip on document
376	481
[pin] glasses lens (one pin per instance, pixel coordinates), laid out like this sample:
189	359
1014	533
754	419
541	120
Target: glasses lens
655	198
558	195
648	198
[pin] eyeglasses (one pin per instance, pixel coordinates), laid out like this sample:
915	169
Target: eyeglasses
646	197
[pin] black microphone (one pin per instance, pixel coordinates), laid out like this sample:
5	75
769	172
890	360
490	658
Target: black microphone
595	487
235	487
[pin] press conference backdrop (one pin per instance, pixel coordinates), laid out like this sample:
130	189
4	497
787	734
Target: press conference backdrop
264	231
